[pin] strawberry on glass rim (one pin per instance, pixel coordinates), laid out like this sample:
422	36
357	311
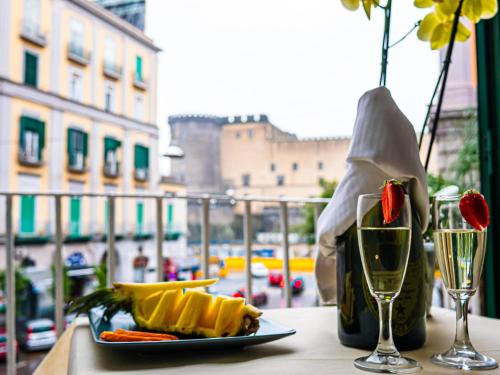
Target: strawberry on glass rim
474	209
393	198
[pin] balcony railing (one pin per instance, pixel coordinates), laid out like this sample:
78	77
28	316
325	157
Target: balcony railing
30	31
78	54
111	169
77	163
27	158
141	174
139	82
111	70
205	199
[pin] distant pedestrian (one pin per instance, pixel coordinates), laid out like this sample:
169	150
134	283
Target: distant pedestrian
140	264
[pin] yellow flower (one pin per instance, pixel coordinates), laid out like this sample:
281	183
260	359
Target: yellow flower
354	5
475	10
436	27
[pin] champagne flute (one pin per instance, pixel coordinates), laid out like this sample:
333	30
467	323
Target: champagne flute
384	250
460	251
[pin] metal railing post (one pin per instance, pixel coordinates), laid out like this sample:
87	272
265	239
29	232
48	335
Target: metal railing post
205	237
159	239
317	212
247	236
10	288
58	265
286	255
111	241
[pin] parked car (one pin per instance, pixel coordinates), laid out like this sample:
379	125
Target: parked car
3	344
259	270
37	334
278	280
258	299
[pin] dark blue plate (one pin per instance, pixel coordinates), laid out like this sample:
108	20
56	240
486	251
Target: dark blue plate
267	332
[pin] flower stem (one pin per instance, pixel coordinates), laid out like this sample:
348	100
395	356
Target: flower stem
446	68
385	43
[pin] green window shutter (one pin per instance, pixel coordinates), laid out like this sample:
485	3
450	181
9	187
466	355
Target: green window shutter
140	217
137	157
170	216
34	125
146	157
74	224
138	68
30	69
27	214
71	147
85	140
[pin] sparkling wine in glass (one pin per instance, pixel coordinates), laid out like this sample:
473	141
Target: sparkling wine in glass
460	251
384	250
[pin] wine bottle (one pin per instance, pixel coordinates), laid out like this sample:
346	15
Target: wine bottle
358	323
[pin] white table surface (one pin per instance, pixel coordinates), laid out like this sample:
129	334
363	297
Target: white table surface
315	349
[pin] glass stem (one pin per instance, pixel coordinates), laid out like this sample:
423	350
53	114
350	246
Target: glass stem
462	340
385	342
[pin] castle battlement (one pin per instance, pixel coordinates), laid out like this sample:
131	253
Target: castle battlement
248	119
200	118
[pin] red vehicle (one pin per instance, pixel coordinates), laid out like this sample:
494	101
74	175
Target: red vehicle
259	299
277	279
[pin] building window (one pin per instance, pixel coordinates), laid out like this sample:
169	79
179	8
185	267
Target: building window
109	52
280	181
138	69
109	96
27	224
238	135
32	15
140	218
295	166
75	85
320	165
141	162
76	37
273	167
139	107
31	139
245	180
111	164
30	68
77	149
74	216
250	133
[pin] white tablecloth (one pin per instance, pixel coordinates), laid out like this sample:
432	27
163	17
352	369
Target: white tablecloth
314	350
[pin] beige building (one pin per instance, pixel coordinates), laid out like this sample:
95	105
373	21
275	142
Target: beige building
258	158
78	101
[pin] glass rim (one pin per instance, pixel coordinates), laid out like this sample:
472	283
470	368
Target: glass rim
453	197
374	195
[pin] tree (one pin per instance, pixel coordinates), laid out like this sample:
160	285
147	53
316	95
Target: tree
22	290
307	230
466	167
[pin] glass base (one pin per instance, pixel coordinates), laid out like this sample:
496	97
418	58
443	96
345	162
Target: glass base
388	364
464	359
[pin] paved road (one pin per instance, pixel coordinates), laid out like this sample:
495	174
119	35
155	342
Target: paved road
234	281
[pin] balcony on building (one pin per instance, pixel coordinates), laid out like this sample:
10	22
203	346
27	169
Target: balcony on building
141	174
76	163
30	31
111	170
111	70
27	157
139	81
78	54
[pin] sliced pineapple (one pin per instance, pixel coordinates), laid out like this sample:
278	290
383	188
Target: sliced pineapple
167	307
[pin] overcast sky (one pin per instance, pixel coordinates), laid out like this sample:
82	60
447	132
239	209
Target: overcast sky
304	63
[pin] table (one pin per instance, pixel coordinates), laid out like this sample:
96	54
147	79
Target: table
315	349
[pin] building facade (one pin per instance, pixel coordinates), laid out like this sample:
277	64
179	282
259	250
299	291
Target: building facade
77	114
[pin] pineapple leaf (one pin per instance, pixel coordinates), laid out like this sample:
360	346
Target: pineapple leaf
106	298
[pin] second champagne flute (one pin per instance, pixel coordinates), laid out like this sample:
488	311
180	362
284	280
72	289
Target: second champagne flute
384	249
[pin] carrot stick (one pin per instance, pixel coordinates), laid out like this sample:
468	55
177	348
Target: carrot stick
147	334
